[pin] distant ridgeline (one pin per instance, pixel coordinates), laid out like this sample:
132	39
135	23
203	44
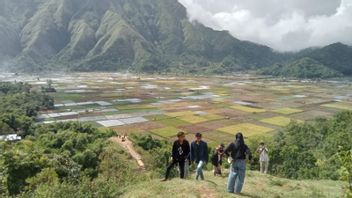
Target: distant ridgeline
152	36
302	68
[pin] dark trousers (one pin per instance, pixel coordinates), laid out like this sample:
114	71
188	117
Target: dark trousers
181	165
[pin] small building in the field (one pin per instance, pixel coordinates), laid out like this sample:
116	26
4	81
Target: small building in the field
10	138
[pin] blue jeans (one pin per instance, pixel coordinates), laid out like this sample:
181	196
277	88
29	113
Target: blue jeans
199	170
236	176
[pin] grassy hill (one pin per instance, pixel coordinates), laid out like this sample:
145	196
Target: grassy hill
256	185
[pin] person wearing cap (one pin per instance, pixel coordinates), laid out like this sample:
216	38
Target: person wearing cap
216	159
263	158
180	155
238	151
199	155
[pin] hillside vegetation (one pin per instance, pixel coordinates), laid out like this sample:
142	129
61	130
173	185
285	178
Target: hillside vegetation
302	68
110	35
256	186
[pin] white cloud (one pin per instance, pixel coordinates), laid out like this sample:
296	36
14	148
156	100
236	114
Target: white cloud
285	25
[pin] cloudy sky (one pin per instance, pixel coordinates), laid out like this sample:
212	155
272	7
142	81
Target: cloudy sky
285	25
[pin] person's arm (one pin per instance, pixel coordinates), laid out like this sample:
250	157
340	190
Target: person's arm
206	153
188	151
174	151
214	158
192	153
258	150
228	150
249	153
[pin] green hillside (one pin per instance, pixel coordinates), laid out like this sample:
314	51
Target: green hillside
256	185
137	35
110	35
302	68
336	56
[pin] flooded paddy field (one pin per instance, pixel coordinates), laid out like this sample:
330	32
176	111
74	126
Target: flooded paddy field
163	105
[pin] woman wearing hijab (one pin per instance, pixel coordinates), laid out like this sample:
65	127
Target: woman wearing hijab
237	152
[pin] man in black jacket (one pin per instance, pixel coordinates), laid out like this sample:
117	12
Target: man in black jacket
199	155
238	151
180	154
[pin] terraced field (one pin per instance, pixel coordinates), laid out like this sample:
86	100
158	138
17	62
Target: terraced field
161	106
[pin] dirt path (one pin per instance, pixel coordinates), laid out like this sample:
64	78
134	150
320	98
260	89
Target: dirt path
128	145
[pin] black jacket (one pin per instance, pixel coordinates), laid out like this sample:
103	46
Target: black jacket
180	152
215	159
238	153
199	152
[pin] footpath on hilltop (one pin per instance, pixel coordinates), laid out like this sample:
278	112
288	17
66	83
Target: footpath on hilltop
256	185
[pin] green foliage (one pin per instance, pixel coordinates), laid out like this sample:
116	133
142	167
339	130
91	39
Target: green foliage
345	158
309	150
57	158
19	106
336	56
302	68
157	153
11	88
148	142
70	149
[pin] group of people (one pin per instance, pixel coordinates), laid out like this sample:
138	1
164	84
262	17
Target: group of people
184	154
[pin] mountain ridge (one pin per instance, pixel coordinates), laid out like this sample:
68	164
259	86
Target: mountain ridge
137	35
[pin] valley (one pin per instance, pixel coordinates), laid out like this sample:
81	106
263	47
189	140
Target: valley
218	107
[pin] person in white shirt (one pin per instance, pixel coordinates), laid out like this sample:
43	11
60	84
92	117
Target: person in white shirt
263	158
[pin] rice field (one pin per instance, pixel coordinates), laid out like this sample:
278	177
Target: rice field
287	111
279	121
339	105
248	129
166	132
248	109
161	106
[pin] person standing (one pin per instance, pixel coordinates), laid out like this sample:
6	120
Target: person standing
237	152
216	160
263	158
180	155
199	155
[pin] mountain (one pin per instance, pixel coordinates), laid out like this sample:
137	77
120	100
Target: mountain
301	68
144	35
137	35
336	56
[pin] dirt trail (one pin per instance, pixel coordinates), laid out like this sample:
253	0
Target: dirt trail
128	145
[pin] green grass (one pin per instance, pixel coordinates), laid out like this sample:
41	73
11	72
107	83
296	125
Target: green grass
174	122
247	129
287	111
166	132
256	185
248	109
339	105
193	119
59	96
167	120
279	121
